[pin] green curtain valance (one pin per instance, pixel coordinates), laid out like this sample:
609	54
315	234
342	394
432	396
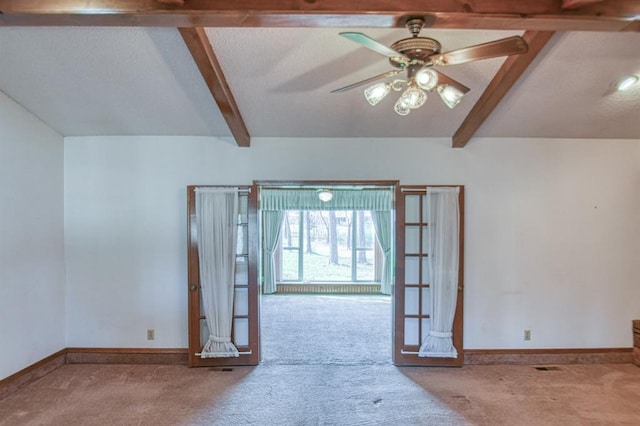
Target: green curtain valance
343	199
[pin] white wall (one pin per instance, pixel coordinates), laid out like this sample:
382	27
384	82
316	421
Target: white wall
32	281
552	229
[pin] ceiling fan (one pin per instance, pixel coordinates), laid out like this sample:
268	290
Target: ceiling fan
417	56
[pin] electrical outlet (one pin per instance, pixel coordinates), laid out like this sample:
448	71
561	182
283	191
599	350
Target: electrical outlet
527	335
151	334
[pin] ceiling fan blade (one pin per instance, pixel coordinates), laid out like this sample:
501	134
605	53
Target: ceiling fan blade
492	49
444	79
376	46
367	81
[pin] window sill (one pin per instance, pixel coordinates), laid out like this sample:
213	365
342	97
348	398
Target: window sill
323	288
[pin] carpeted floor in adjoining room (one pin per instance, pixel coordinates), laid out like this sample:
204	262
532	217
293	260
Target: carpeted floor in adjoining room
344	377
333	329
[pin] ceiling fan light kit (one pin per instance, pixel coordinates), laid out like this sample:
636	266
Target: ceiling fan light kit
450	95
377	92
416	56
413	97
427	79
401	108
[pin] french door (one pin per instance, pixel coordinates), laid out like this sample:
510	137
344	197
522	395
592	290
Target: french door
411	322
412	316
245	327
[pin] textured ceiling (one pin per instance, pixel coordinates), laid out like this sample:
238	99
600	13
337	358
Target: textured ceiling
294	70
108	81
569	91
143	81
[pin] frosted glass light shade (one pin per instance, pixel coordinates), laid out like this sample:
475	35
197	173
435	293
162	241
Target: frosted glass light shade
450	95
376	93
401	107
414	97
426	79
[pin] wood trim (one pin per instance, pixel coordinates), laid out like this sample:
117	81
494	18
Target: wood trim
46	365
205	58
459	320
254	285
545	351
193	275
33	366
127	350
162	356
328	183
574	4
397	331
547	356
32	373
327	288
549	15
510	71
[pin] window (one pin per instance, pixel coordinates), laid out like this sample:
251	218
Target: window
328	246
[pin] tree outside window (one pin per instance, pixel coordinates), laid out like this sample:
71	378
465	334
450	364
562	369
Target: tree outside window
328	246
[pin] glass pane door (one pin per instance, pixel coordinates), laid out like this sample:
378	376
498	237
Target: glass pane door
412	321
245	305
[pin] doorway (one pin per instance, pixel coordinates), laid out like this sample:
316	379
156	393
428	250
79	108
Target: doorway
422	311
326	304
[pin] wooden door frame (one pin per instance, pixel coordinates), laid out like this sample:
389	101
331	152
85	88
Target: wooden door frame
295	184
397	342
393	185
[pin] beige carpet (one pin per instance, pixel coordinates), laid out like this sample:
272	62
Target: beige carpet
325	329
575	395
327	362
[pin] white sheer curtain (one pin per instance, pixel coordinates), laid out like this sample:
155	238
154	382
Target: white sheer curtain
216	217
272	225
443	249
382	224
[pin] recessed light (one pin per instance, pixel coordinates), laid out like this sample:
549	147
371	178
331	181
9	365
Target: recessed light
627	82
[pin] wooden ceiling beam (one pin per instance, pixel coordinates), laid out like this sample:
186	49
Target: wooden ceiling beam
512	68
200	47
571	4
539	18
536	15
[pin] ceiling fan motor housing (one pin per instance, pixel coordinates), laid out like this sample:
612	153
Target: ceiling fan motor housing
418	48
